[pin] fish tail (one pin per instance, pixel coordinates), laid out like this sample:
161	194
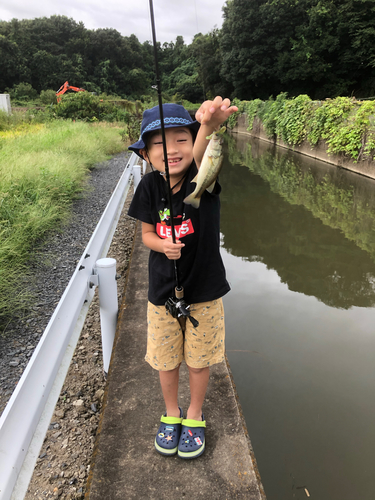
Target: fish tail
192	200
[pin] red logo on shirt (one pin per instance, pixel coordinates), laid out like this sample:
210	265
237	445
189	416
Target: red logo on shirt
181	230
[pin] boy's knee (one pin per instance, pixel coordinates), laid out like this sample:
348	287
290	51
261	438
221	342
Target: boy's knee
197	370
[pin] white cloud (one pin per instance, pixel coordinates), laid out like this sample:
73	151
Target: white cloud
172	18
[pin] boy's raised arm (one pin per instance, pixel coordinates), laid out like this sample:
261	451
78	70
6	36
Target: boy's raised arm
210	115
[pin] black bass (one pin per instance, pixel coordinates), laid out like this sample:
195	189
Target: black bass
209	169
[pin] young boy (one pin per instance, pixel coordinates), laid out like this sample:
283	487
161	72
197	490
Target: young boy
200	268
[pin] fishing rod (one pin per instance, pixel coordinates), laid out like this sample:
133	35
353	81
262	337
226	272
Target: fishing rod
160	100
176	306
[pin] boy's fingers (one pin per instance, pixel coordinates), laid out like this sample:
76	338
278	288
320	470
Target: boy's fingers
207	116
225	104
229	111
219	107
201	111
216	103
172	245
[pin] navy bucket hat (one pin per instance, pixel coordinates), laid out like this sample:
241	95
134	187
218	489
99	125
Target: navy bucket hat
175	115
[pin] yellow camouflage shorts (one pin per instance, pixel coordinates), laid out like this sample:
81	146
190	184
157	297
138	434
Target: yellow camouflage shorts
203	346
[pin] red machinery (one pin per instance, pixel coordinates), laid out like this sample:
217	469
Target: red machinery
66	87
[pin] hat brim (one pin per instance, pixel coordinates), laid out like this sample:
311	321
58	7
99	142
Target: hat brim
140	144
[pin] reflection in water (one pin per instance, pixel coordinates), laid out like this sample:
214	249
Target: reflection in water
297	240
292	233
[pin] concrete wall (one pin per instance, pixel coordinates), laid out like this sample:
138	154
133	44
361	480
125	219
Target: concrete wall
5	103
363	167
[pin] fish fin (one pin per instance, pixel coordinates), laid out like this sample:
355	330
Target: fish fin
195	179
192	200
210	188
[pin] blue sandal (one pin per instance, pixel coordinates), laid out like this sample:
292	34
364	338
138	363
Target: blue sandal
192	440
168	435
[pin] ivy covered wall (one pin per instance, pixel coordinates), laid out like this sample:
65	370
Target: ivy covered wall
340	131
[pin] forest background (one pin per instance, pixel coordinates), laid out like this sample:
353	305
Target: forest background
321	48
278	59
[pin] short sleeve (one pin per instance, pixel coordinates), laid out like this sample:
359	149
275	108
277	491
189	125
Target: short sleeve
140	206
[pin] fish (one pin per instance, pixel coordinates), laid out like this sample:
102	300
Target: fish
209	170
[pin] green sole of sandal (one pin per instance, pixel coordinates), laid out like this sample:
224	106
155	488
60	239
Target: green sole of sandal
164	451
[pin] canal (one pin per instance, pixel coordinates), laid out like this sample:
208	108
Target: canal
298	242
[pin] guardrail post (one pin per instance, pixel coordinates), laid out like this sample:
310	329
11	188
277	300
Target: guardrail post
106	271
144	164
137	175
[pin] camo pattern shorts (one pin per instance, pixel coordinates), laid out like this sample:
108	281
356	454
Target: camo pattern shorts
168	343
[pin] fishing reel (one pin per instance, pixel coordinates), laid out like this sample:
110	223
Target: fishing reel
178	308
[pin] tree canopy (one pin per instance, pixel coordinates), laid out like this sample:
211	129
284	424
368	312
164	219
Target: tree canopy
323	48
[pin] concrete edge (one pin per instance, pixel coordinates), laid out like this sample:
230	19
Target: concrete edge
122	309
96	449
246	432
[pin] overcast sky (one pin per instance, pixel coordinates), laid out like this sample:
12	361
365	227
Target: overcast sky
172	17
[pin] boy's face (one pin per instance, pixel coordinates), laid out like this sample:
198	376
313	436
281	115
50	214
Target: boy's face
179	143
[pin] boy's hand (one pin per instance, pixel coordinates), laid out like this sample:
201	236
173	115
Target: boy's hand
172	250
214	113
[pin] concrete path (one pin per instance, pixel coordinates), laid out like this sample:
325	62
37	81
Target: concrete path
125	464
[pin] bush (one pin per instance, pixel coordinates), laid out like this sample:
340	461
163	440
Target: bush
252	109
291	124
48	97
270	113
87	107
79	106
232	120
22	92
346	125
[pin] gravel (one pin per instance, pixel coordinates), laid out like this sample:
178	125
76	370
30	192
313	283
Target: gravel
64	461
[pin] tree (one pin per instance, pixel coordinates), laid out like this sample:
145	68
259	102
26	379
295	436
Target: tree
318	47
254	35
13	65
206	50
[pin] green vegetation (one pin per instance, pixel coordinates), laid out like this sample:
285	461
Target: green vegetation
42	169
346	125
80	106
315	47
46	152
39	55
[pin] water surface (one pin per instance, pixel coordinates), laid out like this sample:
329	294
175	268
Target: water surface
298	244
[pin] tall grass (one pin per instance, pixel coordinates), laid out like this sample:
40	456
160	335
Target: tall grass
42	169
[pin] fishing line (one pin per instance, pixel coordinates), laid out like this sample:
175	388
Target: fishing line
196	15
199	49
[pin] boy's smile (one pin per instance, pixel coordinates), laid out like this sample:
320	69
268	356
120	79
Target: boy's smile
179	142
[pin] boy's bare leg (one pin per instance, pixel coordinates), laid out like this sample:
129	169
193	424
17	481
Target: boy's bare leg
169	387
198	378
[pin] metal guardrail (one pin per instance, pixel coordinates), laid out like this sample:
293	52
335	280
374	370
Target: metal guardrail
25	420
